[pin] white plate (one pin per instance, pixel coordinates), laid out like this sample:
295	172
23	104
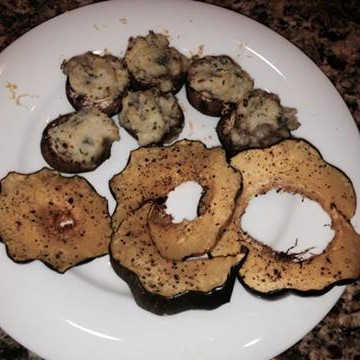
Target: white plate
88	313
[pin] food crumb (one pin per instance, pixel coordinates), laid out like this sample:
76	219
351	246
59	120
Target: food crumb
240	46
124	20
191	128
14	96
12	87
166	32
199	52
183	106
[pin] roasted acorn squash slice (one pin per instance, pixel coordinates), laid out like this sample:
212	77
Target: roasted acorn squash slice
296	167
153	172
59	220
164	286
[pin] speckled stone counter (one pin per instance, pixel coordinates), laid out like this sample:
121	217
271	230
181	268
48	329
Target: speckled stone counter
328	31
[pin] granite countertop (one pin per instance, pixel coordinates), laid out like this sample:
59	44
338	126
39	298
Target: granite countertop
328	31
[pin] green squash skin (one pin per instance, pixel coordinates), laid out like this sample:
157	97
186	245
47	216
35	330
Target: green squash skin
48	265
190	300
155	286
283	292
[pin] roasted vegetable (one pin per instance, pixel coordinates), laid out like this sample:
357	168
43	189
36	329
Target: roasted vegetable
153	172
61	221
164	286
151	117
216	82
152	62
96	80
257	121
79	141
296	167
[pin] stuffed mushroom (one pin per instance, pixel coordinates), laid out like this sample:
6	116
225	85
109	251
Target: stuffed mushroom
96	80
153	62
216	82
258	120
151	116
79	141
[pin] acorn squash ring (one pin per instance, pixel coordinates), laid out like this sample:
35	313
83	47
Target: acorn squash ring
155	171
165	286
294	166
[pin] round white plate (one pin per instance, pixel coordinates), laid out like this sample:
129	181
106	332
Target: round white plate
89	313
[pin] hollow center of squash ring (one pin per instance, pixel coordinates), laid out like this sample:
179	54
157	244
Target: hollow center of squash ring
288	223
182	203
